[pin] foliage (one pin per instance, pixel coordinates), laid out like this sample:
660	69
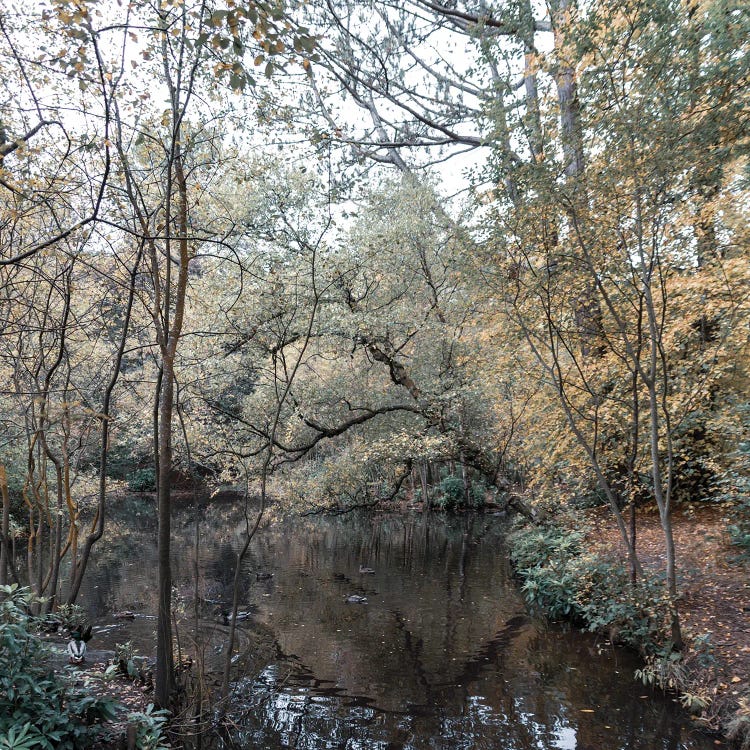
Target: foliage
150	726
543	556
564	581
733	486
128	664
669	670
451	489
142	480
740	529
665	671
540	546
634	615
69	616
38	707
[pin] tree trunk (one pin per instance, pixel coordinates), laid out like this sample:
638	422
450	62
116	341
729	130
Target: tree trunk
5	553
78	568
164	682
423	481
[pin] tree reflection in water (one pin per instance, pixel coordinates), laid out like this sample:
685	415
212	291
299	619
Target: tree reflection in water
442	655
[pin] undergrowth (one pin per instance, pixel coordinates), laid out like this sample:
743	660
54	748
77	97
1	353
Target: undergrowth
564	581
42	708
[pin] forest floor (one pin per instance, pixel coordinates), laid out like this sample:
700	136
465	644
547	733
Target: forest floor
714	586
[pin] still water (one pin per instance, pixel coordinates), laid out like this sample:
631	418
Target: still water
440	653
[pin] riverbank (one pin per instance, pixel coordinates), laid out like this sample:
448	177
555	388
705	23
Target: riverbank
713	678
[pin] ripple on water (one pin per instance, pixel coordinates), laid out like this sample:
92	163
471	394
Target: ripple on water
443	655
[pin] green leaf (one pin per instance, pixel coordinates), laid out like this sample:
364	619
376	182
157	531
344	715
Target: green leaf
217	17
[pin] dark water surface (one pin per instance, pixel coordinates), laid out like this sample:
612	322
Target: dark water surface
441	655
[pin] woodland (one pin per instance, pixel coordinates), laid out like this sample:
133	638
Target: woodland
346	253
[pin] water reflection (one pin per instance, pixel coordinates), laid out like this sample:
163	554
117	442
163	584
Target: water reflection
441	655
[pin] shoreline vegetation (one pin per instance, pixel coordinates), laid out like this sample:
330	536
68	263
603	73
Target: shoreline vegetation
573	571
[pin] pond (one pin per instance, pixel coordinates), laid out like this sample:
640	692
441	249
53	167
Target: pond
437	651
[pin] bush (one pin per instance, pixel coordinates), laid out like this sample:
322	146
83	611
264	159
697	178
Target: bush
733	487
542	558
142	480
451	490
539	545
563	582
739	531
479	490
635	616
150	726
39	708
553	590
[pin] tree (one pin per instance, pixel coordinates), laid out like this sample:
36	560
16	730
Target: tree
603	124
50	195
162	188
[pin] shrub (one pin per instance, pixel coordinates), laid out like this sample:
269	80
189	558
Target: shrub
451	490
39	708
733	488
739	530
534	546
142	480
542	556
635	616
479	490
563	582
553	589
150	728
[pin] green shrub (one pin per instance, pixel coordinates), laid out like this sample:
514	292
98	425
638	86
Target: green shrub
150	728
553	589
142	480
451	490
479	490
542	557
635	616
69	616
563	582
733	487
540	545
739	530
39	708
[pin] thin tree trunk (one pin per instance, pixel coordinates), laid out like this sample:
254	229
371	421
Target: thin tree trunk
97	530
164	657
6	560
423	480
56	545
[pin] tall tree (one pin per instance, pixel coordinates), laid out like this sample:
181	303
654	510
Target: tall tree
162	160
603	123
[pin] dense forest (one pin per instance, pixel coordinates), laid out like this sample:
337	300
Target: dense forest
339	254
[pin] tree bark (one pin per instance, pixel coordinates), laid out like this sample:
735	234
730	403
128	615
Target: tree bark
164	683
5	553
